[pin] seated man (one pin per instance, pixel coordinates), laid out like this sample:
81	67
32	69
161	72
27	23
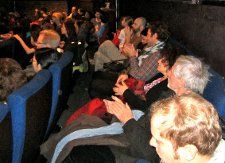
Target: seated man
187	75
108	51
186	129
12	77
143	65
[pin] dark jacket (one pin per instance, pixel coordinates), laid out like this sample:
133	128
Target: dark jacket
138	132
135	102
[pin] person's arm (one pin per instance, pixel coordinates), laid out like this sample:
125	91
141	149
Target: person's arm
139	138
137	135
134	101
23	44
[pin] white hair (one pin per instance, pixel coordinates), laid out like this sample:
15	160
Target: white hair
193	71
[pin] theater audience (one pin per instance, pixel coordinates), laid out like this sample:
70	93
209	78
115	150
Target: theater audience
143	65
135	93
107	51
12	77
186	129
46	49
188	74
73	13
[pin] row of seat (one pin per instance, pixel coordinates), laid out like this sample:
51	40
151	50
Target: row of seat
32	110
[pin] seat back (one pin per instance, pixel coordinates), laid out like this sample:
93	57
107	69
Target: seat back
30	111
62	77
5	134
215	92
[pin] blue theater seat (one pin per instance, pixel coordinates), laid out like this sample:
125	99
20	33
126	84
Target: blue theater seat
62	78
215	92
30	111
6	134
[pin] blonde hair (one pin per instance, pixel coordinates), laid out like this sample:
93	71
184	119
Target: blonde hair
50	37
189	119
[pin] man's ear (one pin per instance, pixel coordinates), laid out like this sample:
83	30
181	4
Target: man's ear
39	68
142	28
155	36
188	152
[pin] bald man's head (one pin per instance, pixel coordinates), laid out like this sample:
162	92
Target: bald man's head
139	24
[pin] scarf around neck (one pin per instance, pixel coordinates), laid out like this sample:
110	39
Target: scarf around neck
145	53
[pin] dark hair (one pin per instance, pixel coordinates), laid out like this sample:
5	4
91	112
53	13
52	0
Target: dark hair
144	32
161	29
170	53
34	31
69	25
46	57
11	77
44	9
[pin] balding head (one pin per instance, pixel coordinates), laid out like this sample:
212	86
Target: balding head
139	24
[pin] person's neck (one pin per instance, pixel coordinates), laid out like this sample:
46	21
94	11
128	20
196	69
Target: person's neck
137	33
182	91
151	44
201	159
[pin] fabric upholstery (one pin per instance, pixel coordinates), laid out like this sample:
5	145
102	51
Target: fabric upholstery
30	109
62	76
215	92
6	134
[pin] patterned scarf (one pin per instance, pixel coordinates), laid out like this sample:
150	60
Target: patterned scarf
149	86
145	53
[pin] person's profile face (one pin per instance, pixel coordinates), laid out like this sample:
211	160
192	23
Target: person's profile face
174	82
97	15
136	25
74	9
162	66
164	147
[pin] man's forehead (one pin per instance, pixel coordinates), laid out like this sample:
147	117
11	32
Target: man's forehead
137	21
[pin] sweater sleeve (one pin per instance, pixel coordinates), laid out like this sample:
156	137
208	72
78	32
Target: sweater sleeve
134	101
139	138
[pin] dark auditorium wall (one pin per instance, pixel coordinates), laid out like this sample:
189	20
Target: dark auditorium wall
201	28
28	6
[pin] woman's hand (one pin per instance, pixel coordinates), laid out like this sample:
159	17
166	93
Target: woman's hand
119	109
120	88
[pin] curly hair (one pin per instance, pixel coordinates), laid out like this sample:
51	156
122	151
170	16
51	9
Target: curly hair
12	77
161	29
188	119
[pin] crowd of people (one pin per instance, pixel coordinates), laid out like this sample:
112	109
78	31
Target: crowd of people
152	110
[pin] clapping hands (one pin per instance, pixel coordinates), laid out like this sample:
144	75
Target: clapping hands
119	109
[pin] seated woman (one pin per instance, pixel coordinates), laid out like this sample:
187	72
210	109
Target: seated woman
42	59
12	77
119	36
132	91
46	51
